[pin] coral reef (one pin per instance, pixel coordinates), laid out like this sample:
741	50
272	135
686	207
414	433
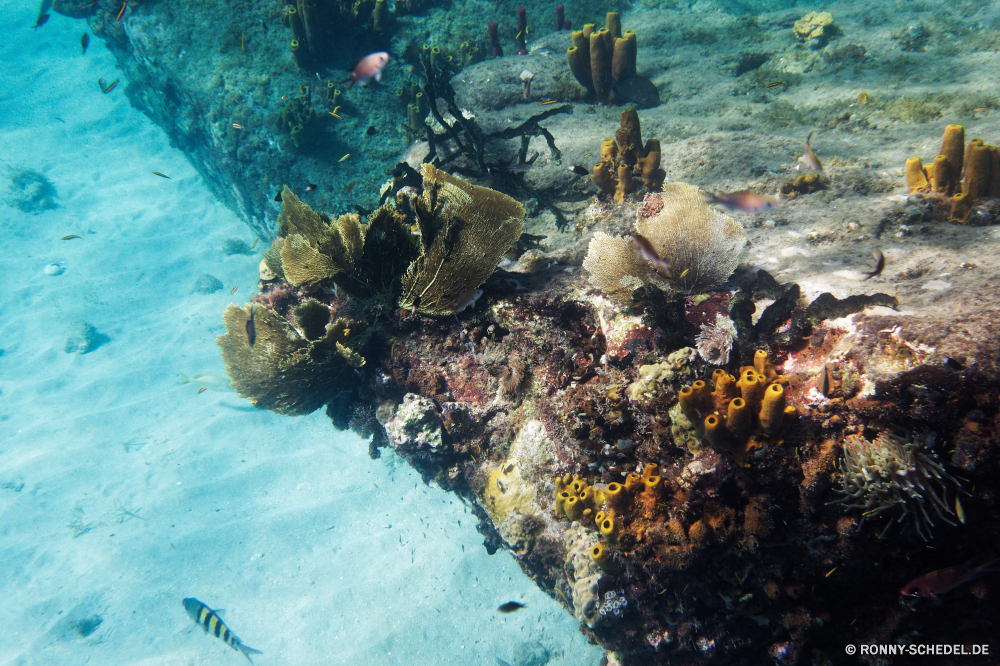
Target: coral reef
701	245
600	58
624	160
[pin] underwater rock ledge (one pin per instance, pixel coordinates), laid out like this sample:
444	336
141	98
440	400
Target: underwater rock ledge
686	510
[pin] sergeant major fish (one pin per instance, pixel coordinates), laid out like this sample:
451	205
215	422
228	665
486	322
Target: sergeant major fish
213	624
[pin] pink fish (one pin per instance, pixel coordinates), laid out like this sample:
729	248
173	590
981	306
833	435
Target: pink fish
748	202
368	68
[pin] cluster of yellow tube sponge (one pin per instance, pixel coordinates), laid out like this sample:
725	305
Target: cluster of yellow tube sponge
981	178
739	411
598	58
624	159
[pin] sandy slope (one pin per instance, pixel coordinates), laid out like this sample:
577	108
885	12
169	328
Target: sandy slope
121	492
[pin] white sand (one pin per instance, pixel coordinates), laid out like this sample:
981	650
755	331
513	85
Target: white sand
122	492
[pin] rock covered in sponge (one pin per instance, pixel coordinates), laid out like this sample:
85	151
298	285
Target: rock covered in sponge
415	426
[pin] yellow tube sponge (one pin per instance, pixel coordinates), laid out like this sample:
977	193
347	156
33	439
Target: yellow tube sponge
752	386
739	419
633	482
772	411
916	178
608	528
601	553
615	497
573	507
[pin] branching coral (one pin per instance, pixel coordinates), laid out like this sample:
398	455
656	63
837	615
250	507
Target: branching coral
701	245
289	369
464	232
891	474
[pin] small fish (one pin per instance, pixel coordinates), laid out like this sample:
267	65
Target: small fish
586	155
982	108
748	202
809	157
42	20
830	572
547	102
578	170
213	624
251	329
213	382
336	115
879	265
940	581
255	241
683	273
233	290
775	84
311	187
466	300
105	88
161	175
501	662
350	185
202	390
368	68
243	40
71	237
344	157
277	197
119	17
646	250
371	130
510	607
862	99
84	43
959	511
237	126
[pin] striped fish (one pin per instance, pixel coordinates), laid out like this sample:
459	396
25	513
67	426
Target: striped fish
213	624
